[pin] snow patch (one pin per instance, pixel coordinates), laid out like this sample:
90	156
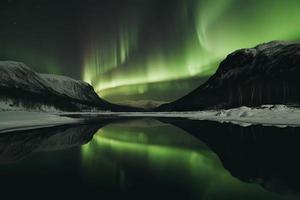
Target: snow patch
266	115
20	120
10	105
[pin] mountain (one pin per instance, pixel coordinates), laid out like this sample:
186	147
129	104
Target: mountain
22	88
266	74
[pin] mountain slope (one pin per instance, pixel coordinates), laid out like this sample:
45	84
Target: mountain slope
23	88
266	74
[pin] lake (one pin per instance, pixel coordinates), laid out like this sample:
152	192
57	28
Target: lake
152	159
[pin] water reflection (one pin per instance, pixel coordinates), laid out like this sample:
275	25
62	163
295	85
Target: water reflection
147	154
268	156
18	145
151	159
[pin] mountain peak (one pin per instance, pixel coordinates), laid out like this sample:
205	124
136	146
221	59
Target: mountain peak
20	86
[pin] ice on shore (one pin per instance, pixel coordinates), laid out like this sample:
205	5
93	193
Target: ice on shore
267	115
22	120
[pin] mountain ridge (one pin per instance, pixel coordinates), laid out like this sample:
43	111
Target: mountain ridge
266	74
20	86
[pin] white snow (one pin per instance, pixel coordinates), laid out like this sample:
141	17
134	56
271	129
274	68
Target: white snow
7	105
10	105
21	120
267	115
70	87
16	75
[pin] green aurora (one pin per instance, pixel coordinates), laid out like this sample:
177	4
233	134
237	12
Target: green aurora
140	52
162	53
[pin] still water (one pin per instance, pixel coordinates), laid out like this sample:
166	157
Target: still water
151	159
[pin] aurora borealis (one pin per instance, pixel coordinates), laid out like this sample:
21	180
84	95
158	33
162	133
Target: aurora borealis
189	43
140	51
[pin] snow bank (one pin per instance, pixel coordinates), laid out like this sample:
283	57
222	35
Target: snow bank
267	115
10	105
20	120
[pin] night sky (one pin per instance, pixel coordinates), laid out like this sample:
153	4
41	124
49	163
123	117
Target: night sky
139	50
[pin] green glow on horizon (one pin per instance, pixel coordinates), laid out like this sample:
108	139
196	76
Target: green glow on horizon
206	32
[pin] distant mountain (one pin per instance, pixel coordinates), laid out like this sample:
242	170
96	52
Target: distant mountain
266	74
22	88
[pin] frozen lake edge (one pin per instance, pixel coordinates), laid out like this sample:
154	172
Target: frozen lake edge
267	115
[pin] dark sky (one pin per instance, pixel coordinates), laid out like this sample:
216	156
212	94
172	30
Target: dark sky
52	36
37	31
139	49
48	35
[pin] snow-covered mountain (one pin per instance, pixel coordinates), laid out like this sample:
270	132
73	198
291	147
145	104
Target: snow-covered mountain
22	88
266	74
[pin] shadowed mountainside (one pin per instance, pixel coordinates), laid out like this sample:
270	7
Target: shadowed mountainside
266	74
23	88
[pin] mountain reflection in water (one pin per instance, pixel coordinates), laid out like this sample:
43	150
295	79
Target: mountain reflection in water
132	159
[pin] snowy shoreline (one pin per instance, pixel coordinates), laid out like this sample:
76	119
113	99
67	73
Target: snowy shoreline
23	120
268	115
